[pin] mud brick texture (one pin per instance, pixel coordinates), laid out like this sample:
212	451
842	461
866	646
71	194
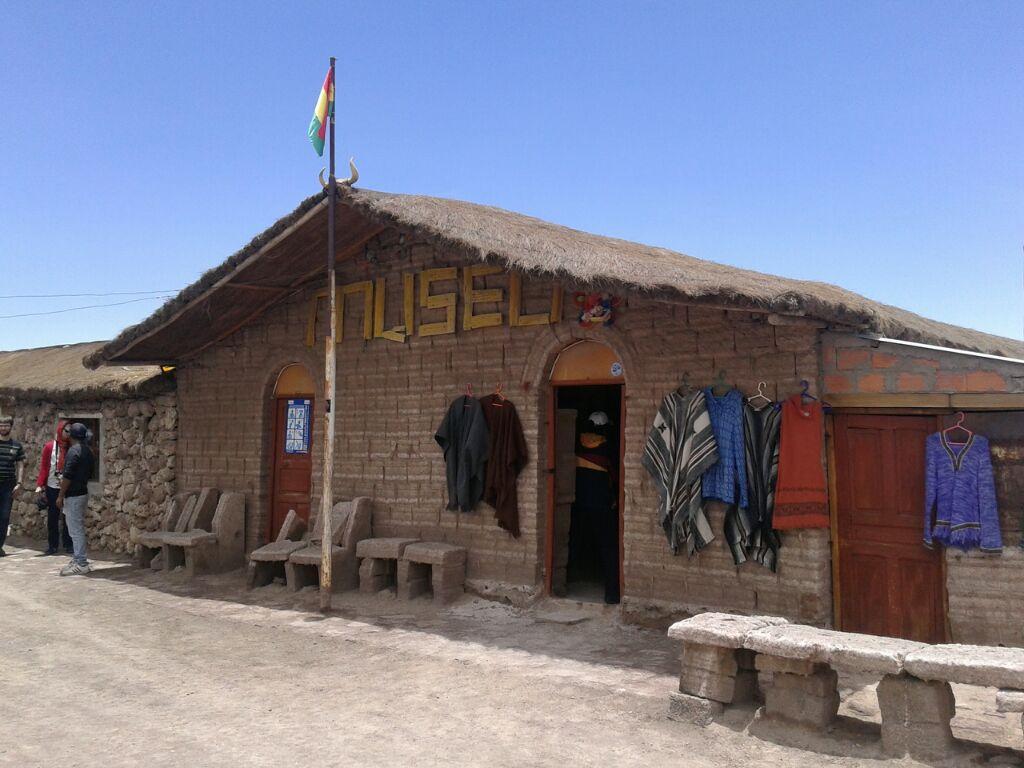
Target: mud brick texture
392	396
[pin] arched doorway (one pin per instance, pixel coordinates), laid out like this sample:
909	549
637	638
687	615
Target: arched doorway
291	477
586	416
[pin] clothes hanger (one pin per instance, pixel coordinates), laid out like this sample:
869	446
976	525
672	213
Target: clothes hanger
500	401
806	395
959	425
469	394
760	393
719	383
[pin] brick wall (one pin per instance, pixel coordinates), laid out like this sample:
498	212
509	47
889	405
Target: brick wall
986	592
852	365
391	398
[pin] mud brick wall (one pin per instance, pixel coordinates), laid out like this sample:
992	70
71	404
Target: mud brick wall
392	396
986	592
139	459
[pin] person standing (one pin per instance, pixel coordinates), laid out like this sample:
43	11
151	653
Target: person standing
73	497
12	464
51	467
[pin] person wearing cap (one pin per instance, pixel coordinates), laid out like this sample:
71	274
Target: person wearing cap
73	498
12	464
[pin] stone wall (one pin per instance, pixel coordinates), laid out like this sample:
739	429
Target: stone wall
139	454
392	396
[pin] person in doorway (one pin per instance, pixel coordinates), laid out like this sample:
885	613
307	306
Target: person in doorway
12	464
597	496
73	497
51	467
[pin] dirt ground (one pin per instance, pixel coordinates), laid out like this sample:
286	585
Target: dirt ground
129	668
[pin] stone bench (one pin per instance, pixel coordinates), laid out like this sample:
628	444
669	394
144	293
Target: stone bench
213	544
378	563
715	665
431	566
980	665
797	671
150	544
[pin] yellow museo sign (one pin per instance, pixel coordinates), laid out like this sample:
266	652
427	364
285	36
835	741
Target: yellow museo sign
373	294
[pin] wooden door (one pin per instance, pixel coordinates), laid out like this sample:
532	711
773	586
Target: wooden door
889	582
293	462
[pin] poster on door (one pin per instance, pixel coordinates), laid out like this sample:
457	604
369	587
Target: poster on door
296	434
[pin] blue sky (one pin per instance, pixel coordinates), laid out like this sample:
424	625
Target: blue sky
872	145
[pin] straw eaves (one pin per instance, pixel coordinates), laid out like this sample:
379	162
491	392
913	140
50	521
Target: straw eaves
57	374
531	245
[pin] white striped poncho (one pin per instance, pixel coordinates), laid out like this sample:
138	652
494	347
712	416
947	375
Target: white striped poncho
679	449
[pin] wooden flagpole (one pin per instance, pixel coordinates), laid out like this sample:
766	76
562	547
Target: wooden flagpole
327	492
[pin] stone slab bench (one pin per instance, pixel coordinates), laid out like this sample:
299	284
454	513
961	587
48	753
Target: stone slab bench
797	671
432	566
378	562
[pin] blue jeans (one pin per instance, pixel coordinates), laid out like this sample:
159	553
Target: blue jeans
6	502
74	513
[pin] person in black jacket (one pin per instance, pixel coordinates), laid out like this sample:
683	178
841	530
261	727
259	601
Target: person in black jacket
73	499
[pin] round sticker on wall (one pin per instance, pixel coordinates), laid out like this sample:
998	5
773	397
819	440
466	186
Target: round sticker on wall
616	368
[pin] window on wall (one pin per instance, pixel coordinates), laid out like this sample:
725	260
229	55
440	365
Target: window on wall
94	424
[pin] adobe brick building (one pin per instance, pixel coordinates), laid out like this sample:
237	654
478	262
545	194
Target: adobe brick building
440	295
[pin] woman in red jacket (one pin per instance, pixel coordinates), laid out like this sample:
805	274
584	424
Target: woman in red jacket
50	468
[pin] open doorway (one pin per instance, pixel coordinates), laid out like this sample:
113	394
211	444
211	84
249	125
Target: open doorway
588	474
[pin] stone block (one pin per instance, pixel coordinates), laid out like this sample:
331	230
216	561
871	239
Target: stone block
376	574
776	664
853	652
693	709
707	685
789	641
435	553
1010	701
915	716
969	664
806	700
721	661
723	629
386	548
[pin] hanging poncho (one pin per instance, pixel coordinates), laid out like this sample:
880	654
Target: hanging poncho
463	436
726	480
761	448
679	449
507	457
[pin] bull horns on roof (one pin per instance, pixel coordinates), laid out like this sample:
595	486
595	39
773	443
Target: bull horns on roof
352	179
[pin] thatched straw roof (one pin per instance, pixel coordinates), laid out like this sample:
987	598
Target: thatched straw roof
57	373
290	253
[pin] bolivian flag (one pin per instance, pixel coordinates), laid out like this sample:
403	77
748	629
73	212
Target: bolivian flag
324	108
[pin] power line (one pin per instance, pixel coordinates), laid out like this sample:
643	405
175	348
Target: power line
88	306
78	295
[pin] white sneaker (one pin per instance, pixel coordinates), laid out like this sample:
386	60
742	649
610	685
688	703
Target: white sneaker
75	569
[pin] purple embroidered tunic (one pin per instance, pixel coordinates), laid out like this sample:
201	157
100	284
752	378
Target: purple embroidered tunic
960	495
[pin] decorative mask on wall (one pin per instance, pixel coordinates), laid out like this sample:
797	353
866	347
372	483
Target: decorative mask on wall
596	309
